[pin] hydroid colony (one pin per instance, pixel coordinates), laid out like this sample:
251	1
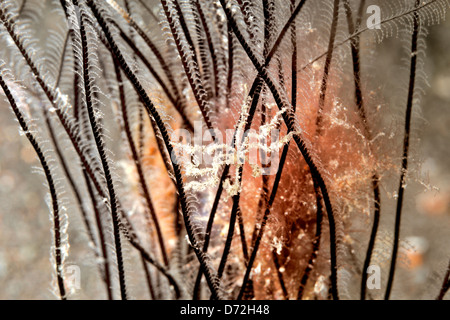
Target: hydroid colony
162	106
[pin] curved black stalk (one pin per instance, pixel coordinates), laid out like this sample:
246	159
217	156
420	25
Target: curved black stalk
230	64
276	262
148	278
211	48
362	114
373	234
101	150
323	87
264	222
159	57
176	101
208	230
245	7
63	55
231	227
316	244
60	155
263	199
186	31
189	62
354	44
147	8
51	186
22	7
101	235
445	284
138	165
71	182
141	130
242	234
404	168
76	74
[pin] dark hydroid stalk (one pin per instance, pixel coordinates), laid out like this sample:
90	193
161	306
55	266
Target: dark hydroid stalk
101	235
445	284
280	275
75	190
263	224
242	235
208	230
173	94
157	53
63	55
316	244
66	170
22	7
189	60
326	71
138	164
246	8
355	48
69	176
51	186
174	100
101	150
149	279
76	74
406	142
211	48
373	234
